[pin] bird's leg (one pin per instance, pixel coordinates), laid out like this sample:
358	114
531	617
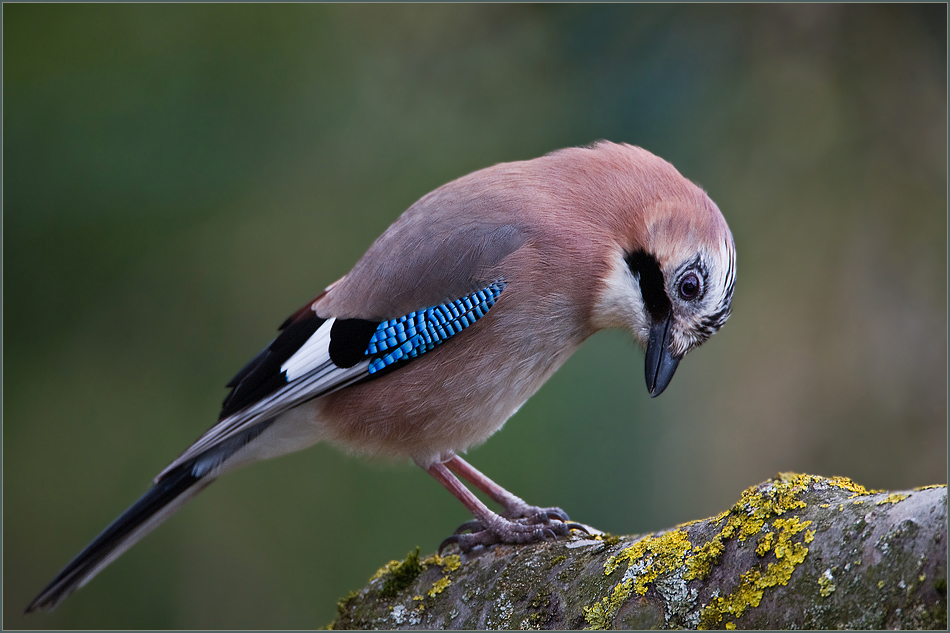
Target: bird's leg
527	524
490	527
515	507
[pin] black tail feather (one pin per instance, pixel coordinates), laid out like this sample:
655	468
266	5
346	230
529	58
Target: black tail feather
121	534
168	494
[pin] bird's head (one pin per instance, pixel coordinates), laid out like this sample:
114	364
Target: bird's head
685	295
671	275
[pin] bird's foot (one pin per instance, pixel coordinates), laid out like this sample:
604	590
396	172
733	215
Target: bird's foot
530	515
540	524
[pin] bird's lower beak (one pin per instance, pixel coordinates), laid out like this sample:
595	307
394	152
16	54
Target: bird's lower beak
660	362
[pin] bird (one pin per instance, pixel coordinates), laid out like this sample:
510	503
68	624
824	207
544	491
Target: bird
453	318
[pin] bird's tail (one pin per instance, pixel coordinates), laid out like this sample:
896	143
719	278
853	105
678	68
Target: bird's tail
156	505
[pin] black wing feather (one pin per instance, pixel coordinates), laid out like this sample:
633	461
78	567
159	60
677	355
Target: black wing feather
263	376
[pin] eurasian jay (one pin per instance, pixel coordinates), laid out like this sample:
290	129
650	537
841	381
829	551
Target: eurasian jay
453	318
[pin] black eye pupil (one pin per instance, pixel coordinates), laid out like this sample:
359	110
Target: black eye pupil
689	287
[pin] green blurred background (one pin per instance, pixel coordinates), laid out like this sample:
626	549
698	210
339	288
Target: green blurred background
179	178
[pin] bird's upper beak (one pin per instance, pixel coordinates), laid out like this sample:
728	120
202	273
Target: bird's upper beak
660	362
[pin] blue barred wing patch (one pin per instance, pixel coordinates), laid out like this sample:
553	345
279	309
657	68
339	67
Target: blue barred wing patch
418	332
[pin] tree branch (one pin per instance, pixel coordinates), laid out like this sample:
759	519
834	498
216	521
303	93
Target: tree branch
797	551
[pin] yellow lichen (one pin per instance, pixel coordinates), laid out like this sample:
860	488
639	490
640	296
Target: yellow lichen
894	497
699	563
659	554
386	569
826	584
672	552
438	586
930	487
777	497
838	482
880	584
730	626
752	584
858	502
716	519
601	615
719	517
748	517
451	563
765	544
846	484
922	577
666	553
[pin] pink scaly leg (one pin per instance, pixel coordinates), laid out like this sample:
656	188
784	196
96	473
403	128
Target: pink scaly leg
515	507
489	527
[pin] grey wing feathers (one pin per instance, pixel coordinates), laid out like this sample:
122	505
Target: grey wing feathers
422	261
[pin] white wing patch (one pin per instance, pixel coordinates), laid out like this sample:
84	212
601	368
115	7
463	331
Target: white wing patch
311	354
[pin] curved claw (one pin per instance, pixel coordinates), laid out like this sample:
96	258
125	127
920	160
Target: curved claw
452	539
474	525
577	526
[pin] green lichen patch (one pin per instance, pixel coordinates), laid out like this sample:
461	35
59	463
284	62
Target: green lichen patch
342	603
401	575
826	584
540	614
609	539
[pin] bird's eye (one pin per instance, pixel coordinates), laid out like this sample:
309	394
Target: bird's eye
689	286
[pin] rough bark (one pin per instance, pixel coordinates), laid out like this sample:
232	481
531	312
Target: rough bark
795	552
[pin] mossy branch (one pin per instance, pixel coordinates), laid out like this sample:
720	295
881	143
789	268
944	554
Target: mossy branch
797	551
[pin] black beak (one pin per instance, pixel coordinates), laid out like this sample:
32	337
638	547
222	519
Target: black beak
660	362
